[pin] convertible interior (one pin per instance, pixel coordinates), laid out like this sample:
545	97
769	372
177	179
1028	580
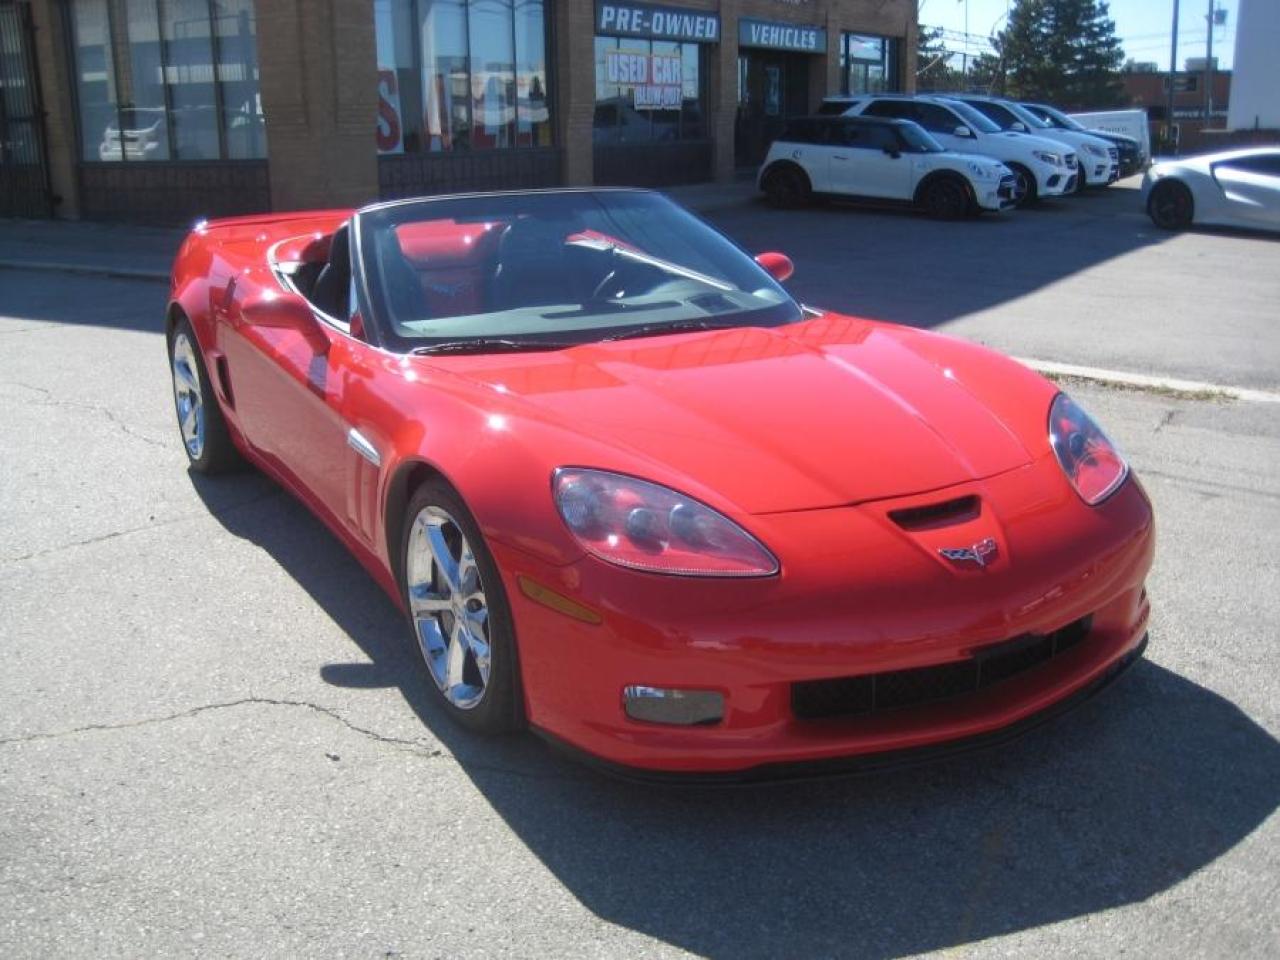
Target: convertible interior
441	269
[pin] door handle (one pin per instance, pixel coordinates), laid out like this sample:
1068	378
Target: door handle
838	156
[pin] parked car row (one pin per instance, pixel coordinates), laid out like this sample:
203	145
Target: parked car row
952	156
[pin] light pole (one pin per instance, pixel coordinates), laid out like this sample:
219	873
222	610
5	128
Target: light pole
1173	75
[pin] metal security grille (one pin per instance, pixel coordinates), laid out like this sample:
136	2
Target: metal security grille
24	171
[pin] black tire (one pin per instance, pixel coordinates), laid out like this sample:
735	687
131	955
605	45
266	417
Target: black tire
1025	191
499	708
787	187
215	452
1081	182
947	198
1171	206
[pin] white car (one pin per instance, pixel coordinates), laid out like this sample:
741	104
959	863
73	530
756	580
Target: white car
1041	168
1098	160
1236	188
885	161
145	135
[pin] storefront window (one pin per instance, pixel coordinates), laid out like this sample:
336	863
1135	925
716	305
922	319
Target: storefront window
176	80
868	64
648	91
461	75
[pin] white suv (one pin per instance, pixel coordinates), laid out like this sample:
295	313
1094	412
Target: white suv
1099	160
1041	168
887	161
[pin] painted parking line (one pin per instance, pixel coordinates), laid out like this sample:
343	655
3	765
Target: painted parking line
1143	381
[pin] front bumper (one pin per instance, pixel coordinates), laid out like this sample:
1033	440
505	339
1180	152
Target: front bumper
1056	181
856	596
998	196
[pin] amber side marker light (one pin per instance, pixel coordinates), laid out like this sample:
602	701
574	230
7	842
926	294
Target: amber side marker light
556	601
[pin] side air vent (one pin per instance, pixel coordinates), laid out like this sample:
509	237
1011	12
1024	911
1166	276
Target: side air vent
934	515
224	380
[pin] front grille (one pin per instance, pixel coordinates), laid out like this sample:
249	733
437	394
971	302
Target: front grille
1005	189
875	692
1071	160
1113	153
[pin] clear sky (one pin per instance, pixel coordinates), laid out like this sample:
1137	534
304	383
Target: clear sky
1143	26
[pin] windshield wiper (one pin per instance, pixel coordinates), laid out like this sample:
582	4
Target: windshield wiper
488	345
659	329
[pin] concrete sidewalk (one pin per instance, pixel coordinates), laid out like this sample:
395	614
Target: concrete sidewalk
146	253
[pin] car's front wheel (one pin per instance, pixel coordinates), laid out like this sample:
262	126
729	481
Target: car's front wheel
205	437
1171	206
1025	191
947	198
458	608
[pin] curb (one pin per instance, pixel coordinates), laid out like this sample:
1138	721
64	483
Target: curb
119	273
1143	381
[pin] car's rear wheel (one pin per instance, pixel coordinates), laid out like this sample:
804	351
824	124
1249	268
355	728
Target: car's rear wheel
205	437
458	608
1025	192
947	198
787	187
1171	206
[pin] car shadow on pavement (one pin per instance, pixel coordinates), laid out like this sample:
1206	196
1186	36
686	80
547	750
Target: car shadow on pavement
908	269
1112	804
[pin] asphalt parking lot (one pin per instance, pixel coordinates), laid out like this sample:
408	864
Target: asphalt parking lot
214	742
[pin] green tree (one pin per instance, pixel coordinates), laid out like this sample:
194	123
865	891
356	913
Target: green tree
1061	51
933	61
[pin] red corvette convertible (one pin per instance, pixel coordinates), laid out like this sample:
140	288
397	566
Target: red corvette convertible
630	493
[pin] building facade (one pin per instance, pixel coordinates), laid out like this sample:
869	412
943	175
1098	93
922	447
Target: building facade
1256	105
163	110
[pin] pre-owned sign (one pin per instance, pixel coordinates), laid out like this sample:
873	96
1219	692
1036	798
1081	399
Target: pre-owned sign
657	23
782	36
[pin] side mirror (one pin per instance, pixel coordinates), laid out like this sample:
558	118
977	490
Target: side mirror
1019	126
963	131
893	152
776	265
286	311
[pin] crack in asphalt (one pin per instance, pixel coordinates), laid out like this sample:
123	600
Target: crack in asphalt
47	399
215	514
416	745
415	748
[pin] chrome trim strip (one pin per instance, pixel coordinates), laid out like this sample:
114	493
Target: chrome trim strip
358	442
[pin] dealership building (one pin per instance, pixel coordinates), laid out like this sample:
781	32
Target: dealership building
163	110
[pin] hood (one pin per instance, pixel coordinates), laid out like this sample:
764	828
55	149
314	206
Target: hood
823	413
1034	141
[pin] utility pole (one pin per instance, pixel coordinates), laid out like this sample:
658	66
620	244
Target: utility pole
1208	69
1173	76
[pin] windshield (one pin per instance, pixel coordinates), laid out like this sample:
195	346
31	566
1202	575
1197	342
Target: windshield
1030	119
973	118
918	139
556	268
1058	118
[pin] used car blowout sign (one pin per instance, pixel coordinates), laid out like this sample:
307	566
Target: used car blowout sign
654	78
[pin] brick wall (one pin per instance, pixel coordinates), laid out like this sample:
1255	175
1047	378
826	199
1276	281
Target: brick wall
319	94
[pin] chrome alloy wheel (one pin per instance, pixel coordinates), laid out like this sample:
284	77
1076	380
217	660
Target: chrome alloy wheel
447	601
186	395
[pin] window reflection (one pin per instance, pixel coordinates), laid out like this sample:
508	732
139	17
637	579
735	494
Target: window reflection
868	64
150	78
461	75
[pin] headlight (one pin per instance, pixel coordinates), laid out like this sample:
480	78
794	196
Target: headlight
1096	151
1046	157
644	526
1090	461
981	172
